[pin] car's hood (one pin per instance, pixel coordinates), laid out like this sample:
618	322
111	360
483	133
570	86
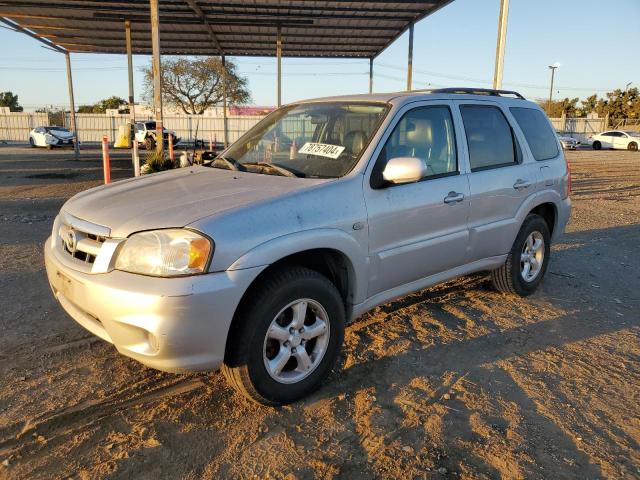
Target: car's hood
176	198
61	134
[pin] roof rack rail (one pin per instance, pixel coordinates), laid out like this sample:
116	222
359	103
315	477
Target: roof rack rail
479	91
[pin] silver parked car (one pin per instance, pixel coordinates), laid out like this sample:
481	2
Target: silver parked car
255	262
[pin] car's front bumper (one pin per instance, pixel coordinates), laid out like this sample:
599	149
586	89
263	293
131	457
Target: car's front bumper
171	324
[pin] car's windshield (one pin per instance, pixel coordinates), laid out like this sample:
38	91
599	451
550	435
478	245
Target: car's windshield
56	129
317	140
632	134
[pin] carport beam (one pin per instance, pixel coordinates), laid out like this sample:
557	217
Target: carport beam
410	60
371	75
135	160
72	107
225	129
279	55
501	42
157	75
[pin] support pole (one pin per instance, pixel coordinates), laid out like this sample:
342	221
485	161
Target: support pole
371	75
225	128
157	73
72	107
135	160
279	55
410	60
502	41
553	73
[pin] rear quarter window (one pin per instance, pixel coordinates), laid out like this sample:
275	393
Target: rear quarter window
539	134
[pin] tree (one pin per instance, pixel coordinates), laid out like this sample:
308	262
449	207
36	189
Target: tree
102	106
568	106
195	85
8	99
589	104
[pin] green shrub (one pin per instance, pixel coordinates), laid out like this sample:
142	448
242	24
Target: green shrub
156	162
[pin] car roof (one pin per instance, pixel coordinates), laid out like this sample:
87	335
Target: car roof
400	98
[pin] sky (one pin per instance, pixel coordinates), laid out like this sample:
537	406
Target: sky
595	42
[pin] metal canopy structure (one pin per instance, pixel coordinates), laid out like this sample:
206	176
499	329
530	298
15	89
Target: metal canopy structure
291	28
232	27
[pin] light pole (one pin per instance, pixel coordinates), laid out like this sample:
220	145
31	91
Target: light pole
553	71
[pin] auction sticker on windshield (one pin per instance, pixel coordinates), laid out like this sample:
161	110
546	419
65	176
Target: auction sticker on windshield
321	149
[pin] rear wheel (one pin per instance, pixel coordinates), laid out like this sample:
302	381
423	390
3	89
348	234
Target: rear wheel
597	145
288	338
527	261
633	146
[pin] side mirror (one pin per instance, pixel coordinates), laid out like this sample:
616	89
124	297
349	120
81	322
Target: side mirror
404	170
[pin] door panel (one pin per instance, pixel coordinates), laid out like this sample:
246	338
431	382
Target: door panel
496	195
413	233
418	229
501	178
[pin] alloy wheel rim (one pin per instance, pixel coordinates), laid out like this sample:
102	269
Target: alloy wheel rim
532	256
296	341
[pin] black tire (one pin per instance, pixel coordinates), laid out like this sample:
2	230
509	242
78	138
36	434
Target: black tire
508	277
31	142
149	143
596	145
244	366
633	146
49	147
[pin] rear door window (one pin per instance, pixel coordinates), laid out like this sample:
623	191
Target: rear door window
489	137
537	131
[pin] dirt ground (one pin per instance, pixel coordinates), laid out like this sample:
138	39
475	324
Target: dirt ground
456	381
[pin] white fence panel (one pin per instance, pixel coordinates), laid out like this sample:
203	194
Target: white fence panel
15	127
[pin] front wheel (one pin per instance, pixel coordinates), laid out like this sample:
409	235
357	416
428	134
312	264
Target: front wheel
287	337
633	146
597	145
31	142
527	261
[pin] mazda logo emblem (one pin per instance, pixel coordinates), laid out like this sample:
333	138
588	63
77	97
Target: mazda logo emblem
71	241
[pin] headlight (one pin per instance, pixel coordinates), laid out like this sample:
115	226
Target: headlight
165	253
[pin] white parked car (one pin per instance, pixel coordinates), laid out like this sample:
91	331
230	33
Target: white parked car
616	139
145	133
569	143
50	137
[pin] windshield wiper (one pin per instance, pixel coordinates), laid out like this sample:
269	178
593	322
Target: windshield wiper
281	170
231	163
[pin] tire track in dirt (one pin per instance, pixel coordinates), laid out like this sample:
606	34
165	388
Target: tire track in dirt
84	414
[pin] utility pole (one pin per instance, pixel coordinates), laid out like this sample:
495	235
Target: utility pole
157	73
410	60
279	55
502	41
553	71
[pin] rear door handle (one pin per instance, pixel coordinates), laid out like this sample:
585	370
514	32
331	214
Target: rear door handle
520	184
453	197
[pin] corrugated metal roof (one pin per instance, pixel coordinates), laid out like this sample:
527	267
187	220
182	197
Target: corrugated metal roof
241	28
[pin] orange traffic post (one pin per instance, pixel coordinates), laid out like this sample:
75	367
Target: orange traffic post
106	166
171	147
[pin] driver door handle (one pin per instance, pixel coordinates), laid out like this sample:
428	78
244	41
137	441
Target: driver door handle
520	184
453	197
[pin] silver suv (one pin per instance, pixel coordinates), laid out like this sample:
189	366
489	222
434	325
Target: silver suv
255	261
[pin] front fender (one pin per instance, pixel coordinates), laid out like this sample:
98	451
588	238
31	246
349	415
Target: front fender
334	239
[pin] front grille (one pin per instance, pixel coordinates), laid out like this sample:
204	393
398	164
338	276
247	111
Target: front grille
80	245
